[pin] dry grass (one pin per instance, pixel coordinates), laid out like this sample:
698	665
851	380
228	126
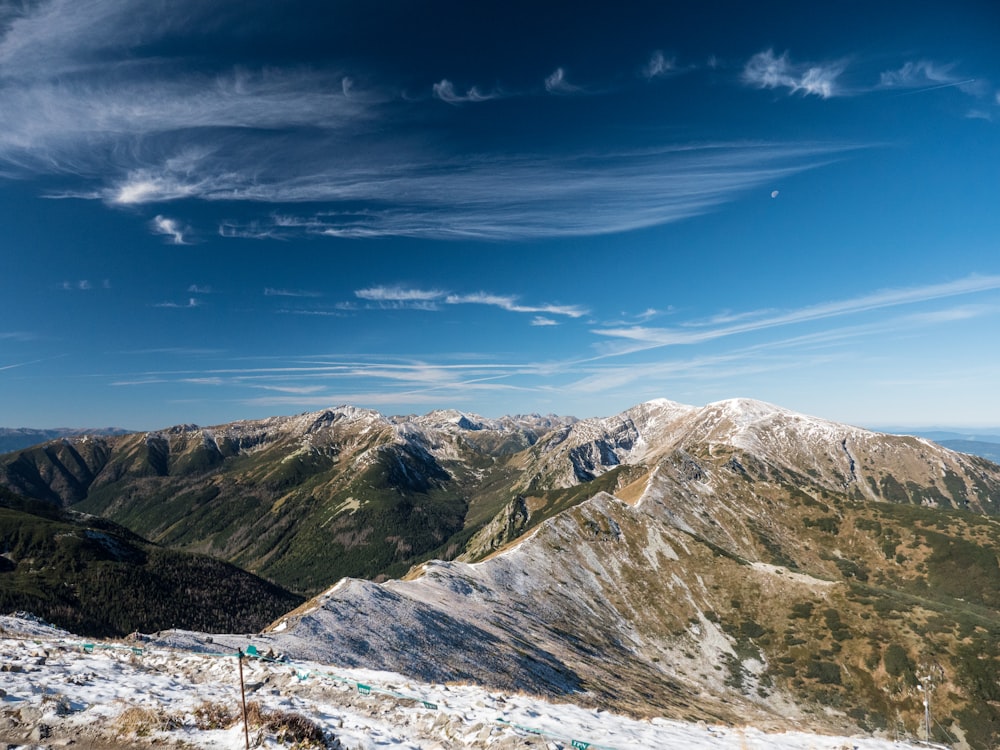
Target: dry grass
138	721
287	727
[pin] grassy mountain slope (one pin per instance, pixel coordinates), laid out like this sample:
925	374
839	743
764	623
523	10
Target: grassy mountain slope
303	500
748	563
95	578
783	606
725	562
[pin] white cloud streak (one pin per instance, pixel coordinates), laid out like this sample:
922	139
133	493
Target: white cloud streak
18	364
445	91
17	336
511	304
272	292
84	101
299	389
767	71
398	294
431	299
918	75
189	305
556	83
83	285
322	381
527	197
639	338
169	227
658	66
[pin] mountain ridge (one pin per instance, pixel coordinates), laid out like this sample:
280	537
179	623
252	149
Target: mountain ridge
709	563
14	438
244	489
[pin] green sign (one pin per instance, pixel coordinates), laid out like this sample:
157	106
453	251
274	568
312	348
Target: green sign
580	744
428	704
364	689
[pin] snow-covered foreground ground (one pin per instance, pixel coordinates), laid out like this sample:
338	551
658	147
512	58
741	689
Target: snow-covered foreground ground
56	688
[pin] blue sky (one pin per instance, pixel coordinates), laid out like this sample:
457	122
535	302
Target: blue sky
216	210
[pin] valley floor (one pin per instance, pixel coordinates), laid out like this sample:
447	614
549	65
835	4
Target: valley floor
60	690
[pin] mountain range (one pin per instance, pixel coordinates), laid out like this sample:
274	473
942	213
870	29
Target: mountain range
15	438
731	562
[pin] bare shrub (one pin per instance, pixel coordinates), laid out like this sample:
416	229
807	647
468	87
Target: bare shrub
288	727
211	715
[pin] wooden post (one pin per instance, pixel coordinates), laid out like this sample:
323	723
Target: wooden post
243	695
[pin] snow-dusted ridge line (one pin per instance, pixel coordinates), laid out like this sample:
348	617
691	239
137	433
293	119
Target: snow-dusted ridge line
77	694
632	436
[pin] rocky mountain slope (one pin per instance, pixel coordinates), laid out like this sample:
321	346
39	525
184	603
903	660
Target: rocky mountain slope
730	561
742	562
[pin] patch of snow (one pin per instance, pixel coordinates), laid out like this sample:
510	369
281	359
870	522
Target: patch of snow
82	693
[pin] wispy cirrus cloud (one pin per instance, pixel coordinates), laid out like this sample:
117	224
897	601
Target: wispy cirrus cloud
658	66
638	338
917	77
918	73
558	83
649	313
830	346
273	292
17	336
445	91
338	313
399	297
924	75
299	389
325	380
432	299
86	100
398	294
169	227
766	70
511	304
503	197
540	320
189	305
19	364
332	376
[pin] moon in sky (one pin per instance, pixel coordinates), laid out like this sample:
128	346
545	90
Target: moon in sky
774	193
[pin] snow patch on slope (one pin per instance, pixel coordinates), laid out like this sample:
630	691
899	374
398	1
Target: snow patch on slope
55	689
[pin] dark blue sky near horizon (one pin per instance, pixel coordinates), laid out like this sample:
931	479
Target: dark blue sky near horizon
220	210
